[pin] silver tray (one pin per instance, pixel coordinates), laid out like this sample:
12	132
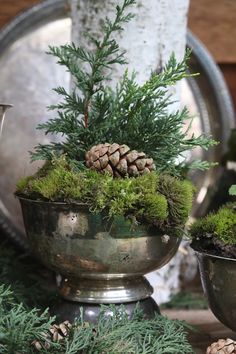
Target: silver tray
28	75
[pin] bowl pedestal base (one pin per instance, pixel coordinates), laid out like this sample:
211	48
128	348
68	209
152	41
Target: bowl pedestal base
91	293
70	310
105	290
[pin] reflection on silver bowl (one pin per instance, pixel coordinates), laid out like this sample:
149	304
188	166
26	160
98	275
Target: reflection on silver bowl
218	276
100	261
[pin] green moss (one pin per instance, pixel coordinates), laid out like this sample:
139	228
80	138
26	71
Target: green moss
232	190
221	225
123	196
56	181
151	205
226	226
203	227
23	183
150	198
179	195
155	207
148	182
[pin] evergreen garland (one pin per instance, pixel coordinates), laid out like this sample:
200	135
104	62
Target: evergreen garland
132	114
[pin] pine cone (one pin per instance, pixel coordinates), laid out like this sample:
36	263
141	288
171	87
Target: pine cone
118	160
56	334
223	346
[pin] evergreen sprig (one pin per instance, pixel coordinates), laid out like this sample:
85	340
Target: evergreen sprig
106	54
132	114
116	334
20	326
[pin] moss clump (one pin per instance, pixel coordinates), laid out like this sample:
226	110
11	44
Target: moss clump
179	195
23	182
220	225
155	207
54	181
156	199
139	197
232	190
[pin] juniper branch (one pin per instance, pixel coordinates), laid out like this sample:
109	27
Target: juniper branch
107	54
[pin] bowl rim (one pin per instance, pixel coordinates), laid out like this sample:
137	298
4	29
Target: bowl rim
206	254
48	202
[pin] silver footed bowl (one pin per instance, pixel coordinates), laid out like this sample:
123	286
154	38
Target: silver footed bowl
218	276
99	260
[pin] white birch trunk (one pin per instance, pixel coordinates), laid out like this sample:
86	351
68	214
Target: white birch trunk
158	29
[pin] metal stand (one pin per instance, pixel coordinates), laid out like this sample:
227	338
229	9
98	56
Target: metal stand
69	310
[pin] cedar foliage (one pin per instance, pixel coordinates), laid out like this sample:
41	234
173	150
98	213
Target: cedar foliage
132	114
19	326
20	292
116	334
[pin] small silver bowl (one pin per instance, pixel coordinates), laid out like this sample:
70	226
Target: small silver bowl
99	260
218	276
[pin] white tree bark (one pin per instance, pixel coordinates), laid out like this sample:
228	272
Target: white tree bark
158	29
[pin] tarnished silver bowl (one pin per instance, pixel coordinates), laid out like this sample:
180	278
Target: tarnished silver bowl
99	260
218	276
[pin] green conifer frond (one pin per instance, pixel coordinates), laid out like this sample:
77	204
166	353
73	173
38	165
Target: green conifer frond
132	114
116	334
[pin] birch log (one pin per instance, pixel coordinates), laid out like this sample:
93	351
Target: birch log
158	29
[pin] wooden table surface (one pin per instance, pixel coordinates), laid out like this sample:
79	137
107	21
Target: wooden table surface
209	329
